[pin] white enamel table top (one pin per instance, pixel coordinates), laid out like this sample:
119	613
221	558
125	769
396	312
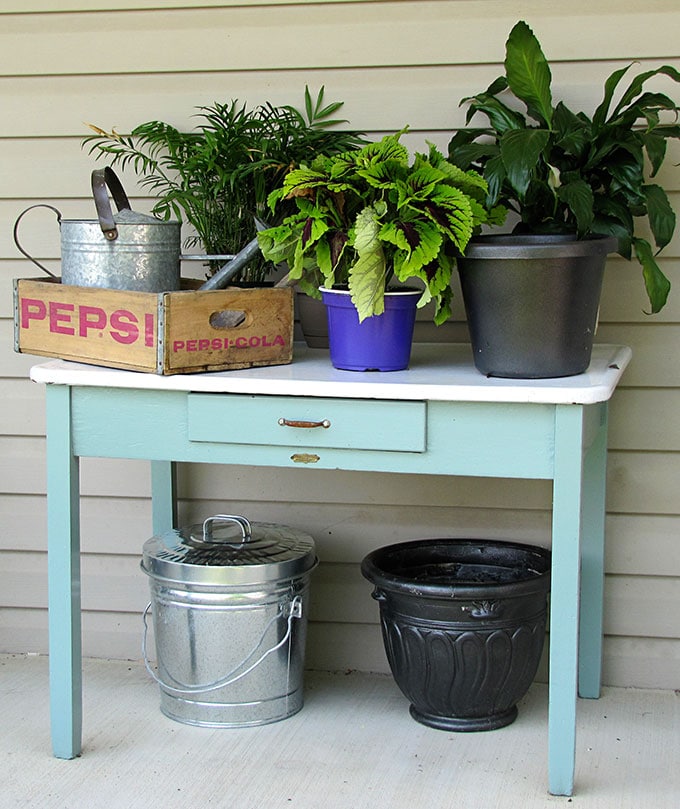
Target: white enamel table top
438	372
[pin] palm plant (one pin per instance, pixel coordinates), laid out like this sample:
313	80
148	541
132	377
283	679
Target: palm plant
218	176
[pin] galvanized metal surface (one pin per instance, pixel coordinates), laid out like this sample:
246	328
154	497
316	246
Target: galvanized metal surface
145	257
269	554
230	619
127	250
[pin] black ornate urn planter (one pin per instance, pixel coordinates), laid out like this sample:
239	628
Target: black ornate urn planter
463	623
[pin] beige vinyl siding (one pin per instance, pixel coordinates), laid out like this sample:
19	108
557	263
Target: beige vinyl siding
119	63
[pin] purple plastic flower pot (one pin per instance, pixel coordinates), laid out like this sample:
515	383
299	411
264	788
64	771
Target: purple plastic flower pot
379	343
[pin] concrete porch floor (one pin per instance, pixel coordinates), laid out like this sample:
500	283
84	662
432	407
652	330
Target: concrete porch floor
353	746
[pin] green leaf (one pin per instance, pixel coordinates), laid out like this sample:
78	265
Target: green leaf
617	216
573	134
610	85
578	196
656	283
660	213
635	86
278	244
443	309
645	108
528	72
315	228
655	146
608	226
309	107
495	176
422	180
465	155
392	233
438	275
383	174
310	285
520	151
470	182
300	180
323	259
628	171
501	117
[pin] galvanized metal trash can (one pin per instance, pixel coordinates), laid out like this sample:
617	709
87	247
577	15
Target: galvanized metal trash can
229	601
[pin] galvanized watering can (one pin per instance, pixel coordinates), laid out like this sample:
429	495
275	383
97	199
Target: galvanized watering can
128	250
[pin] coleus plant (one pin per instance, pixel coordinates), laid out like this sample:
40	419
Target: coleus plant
566	172
370	216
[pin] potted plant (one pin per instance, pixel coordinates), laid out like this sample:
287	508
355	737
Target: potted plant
463	624
218	176
367	221
576	184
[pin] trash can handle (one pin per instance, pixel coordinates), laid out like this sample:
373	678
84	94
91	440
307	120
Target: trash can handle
289	611
246	530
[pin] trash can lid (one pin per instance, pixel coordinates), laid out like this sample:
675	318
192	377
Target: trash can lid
229	550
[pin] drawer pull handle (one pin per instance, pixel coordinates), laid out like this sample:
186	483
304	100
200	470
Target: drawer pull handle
305	424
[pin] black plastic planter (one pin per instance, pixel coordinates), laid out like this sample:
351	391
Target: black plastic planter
532	302
463	623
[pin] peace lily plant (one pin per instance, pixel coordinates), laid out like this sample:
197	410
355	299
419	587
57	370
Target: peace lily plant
370	217
567	172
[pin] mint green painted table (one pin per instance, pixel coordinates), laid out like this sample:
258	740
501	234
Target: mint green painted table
440	417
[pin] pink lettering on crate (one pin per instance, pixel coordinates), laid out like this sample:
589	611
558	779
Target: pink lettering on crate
85	321
223	343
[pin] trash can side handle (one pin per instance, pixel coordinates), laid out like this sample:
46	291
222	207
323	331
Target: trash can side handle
290	610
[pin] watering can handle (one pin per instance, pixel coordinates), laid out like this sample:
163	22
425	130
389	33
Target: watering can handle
101	179
16	234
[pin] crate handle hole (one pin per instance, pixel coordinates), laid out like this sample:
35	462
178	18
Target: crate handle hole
228	319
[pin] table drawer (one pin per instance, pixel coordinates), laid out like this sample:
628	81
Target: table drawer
363	424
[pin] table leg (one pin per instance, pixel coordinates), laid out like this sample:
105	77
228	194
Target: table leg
564	597
163	496
592	561
63	541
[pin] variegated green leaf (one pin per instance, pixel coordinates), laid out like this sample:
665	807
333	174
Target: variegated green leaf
367	274
389	148
425	241
450	210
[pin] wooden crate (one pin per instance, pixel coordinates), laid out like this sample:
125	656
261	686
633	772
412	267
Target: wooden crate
163	333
